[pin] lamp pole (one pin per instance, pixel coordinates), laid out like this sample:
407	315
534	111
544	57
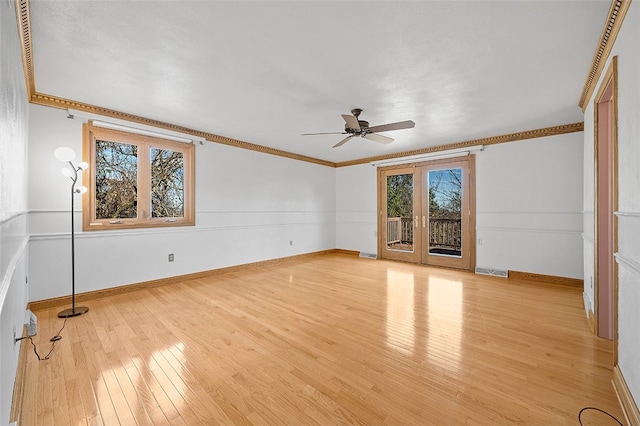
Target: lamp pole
66	154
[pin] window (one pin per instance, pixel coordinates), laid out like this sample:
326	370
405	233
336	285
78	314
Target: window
136	181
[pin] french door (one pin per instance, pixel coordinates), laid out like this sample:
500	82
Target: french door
426	213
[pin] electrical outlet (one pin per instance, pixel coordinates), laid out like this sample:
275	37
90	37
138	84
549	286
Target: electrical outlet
480	241
170	257
591	282
290	242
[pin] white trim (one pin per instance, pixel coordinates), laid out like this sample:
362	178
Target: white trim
587	238
627	263
111	126
11	267
527	212
43	211
627	214
531	230
10	216
123	233
438	155
117	124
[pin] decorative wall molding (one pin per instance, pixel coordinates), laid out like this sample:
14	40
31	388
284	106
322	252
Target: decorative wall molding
5	280
24	22
627	263
156	231
511	137
627	214
10	217
629	406
52	101
511	213
608	37
529	230
588	238
61	103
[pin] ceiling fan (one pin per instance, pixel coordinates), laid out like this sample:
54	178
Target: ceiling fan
356	127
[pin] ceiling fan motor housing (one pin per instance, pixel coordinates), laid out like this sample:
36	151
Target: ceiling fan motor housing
363	125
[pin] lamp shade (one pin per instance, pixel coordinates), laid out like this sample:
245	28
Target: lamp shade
66	172
64	154
83	166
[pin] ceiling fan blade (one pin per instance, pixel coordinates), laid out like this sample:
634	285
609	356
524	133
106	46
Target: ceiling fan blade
342	142
351	121
378	138
393	126
325	133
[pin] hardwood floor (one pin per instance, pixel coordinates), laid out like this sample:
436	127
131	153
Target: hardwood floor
329	340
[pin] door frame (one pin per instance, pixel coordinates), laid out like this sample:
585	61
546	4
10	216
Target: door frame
418	191
609	82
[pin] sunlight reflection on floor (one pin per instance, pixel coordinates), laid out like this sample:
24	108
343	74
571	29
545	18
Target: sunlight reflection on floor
400	325
445	322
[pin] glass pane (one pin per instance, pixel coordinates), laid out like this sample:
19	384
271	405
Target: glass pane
400	212
445	212
167	183
116	180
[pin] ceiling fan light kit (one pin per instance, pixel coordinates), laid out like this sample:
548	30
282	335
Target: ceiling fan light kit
355	127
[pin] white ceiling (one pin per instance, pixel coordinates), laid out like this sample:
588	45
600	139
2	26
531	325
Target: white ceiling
265	72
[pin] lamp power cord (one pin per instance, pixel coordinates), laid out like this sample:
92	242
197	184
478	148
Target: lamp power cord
596	409
53	341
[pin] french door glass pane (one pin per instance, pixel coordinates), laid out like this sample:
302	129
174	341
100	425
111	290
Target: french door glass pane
400	212
116	180
445	212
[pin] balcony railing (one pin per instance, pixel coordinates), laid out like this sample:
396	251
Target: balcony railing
399	230
445	235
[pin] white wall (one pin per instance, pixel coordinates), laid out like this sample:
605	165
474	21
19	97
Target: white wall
528	204
356	226
627	48
249	206
13	184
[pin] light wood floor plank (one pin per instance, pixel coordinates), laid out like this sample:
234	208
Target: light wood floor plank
327	340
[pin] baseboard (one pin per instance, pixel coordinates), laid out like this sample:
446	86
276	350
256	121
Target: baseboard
347	252
18	386
629	406
592	321
547	279
97	294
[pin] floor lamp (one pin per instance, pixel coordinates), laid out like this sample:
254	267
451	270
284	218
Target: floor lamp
67	155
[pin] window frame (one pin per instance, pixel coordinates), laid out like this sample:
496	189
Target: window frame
91	133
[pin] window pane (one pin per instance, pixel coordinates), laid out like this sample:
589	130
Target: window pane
167	183
445	212
116	180
400	212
